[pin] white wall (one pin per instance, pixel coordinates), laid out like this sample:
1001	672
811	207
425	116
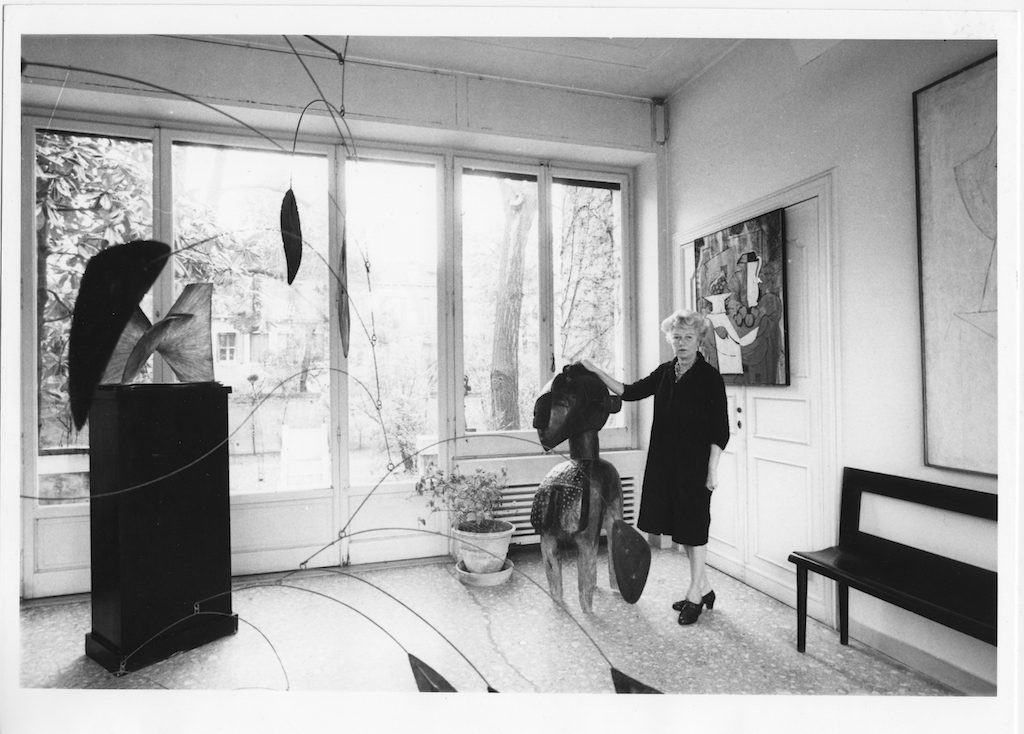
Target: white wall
761	121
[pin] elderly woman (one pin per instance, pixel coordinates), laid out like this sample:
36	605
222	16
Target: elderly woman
690	429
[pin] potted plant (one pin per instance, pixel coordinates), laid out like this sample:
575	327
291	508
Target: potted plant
470	501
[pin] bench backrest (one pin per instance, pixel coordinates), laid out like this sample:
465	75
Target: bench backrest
954	499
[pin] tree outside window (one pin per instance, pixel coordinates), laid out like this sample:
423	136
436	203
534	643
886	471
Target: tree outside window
503	311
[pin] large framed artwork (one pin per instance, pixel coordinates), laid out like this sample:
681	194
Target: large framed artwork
955	147
740	284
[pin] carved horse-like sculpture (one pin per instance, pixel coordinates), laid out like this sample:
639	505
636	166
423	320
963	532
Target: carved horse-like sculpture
578	497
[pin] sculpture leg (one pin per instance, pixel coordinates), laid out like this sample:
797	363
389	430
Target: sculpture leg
552	565
613	513
586	562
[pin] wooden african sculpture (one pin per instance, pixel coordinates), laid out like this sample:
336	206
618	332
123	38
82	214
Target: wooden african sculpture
580	497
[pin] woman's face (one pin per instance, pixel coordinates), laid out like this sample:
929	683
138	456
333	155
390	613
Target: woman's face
684	343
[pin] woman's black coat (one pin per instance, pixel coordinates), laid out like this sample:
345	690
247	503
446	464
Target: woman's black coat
689	416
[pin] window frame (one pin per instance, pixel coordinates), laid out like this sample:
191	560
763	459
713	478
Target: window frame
515	443
438	160
211	136
163	140
448	163
32	125
223	348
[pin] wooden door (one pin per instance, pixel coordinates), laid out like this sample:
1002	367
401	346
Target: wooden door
777	484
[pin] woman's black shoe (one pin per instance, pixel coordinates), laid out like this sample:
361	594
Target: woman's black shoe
690	611
707	600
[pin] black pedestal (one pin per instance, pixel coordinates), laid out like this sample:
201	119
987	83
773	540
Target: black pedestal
160	533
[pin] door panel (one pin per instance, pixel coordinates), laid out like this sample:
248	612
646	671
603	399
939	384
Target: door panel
725	537
779	515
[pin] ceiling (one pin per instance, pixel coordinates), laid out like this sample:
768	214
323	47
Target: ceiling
633	67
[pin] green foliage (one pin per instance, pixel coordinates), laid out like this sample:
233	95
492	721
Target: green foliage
469	499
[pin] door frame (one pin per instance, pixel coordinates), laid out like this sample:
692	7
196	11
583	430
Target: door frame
825	526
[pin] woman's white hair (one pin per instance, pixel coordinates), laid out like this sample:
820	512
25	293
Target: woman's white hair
684	318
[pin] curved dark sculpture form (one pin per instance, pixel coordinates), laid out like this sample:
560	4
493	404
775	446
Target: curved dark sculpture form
113	284
579	497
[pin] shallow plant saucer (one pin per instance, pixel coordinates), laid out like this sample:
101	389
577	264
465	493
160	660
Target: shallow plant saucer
494	578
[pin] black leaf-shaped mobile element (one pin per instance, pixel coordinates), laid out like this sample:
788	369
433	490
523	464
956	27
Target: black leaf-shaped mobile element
428	680
625	684
113	284
291	234
344	319
631	559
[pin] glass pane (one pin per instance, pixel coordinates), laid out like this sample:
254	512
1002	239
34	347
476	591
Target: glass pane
391	210
91	192
269	339
499	301
587	262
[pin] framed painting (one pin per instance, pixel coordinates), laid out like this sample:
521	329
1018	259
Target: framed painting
955	152
740	285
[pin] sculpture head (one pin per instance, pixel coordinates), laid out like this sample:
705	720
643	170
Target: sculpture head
573	402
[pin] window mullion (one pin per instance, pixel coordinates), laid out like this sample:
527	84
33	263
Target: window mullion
163	231
456	422
546	284
338	383
449	328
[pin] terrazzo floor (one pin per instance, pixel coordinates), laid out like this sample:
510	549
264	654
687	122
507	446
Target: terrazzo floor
345	630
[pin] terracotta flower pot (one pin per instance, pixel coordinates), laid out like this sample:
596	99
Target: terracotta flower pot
483	552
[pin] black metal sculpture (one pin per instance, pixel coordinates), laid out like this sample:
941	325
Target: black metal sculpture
580	497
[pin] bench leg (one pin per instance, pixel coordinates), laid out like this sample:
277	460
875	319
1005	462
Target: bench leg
801	608
844	614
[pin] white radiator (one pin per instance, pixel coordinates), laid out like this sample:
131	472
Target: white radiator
518	500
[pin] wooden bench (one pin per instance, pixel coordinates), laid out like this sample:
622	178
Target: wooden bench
956	594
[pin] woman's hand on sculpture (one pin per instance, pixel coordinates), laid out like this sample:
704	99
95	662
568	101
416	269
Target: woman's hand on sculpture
610	382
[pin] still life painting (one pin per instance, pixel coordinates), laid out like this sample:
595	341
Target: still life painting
740	284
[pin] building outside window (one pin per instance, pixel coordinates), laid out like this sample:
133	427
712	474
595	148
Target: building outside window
226	346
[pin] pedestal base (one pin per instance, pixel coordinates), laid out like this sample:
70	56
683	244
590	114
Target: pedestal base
186	635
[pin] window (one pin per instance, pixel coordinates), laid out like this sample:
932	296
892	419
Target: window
392	278
500	322
587	268
226	346
535	264
227	204
532	304
92	191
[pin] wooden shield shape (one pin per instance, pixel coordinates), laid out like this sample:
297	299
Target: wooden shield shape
631	559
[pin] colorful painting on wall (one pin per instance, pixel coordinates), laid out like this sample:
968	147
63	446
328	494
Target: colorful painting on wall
740	284
955	136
